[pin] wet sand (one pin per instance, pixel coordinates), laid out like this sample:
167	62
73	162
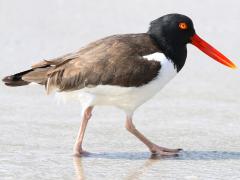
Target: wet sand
197	111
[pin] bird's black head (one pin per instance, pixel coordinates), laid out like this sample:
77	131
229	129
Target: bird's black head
172	32
173	29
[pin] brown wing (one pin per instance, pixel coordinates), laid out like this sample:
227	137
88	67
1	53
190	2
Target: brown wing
39	71
116	60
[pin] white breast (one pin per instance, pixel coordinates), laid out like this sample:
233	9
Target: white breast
126	98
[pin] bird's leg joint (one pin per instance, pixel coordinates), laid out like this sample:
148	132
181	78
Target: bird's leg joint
130	126
88	113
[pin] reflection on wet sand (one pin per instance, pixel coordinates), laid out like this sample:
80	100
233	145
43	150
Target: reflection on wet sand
140	170
150	160
78	166
132	174
135	174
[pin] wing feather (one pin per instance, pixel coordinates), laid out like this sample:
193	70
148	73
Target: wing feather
117	60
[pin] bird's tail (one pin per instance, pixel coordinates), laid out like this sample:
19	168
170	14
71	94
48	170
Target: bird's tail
16	79
36	75
39	72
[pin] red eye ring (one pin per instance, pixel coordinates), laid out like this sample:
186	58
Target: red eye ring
183	25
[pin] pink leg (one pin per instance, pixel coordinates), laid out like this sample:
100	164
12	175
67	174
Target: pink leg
155	149
78	151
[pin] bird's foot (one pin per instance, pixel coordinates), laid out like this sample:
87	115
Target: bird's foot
155	149
79	152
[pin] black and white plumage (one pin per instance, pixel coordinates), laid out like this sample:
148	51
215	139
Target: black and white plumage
127	98
120	70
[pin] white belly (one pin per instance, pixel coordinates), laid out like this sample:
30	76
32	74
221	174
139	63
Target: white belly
126	98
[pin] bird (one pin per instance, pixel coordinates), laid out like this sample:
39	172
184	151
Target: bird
123	70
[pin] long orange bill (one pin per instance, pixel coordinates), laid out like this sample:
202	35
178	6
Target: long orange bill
211	51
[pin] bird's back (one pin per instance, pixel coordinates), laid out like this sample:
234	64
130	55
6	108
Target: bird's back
114	60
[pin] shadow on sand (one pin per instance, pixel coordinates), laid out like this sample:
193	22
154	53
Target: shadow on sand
184	155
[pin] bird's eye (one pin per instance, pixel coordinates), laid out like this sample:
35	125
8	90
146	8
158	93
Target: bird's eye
183	25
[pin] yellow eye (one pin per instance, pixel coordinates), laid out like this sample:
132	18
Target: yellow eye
183	25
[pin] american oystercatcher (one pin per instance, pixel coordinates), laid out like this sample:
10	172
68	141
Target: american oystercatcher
120	70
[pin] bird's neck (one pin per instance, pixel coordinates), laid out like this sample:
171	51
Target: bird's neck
175	52
177	56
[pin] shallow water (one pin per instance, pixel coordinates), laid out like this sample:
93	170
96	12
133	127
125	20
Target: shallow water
198	111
